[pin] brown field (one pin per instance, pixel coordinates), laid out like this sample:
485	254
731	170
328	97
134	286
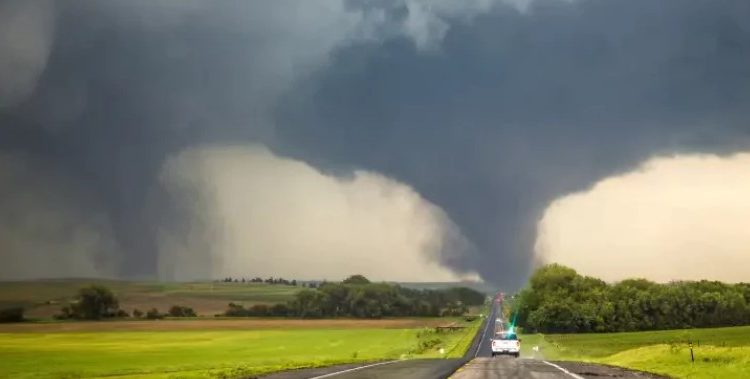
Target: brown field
43	298
202	306
219	324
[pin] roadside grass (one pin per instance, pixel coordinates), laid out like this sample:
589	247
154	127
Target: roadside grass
710	361
462	345
212	353
719	352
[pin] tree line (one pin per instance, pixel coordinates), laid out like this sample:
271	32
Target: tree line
357	297
559	300
354	297
257	279
97	302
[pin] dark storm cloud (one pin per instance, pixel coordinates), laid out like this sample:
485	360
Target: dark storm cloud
520	108
125	84
488	111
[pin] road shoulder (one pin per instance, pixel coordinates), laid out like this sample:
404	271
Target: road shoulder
593	370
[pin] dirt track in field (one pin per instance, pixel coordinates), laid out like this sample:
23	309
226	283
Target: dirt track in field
213	324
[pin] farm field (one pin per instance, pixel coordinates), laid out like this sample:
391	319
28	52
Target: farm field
719	352
247	349
234	323
43	298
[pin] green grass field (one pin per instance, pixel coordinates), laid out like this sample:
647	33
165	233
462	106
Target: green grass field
213	353
199	347
719	352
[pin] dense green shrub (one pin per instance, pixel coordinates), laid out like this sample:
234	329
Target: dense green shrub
559	300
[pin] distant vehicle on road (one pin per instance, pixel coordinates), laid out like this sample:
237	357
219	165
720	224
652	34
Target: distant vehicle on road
506	343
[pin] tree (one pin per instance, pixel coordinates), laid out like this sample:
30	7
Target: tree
92	303
121	313
153	314
279	310
356	279
308	304
235	310
465	295
362	299
376	300
455	309
137	313
557	299
181	311
258	310
14	314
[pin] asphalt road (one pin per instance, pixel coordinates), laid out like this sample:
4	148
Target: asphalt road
478	363
483	344
521	368
508	367
418	368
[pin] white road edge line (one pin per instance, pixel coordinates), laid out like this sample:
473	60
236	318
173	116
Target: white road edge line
576	376
352	369
484	333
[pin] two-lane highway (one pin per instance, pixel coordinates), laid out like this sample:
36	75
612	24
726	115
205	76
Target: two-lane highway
477	363
484	343
521	368
484	366
510	368
417	368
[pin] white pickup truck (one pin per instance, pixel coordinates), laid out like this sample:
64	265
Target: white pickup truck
506	343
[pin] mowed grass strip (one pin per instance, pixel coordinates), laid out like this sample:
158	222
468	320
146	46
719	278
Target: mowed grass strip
719	352
214	353
710	361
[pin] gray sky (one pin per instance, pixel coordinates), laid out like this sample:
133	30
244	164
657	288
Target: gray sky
113	116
